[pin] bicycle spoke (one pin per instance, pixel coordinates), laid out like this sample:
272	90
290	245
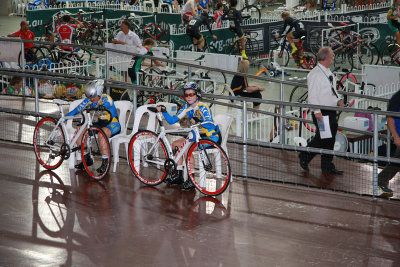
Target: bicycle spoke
208	168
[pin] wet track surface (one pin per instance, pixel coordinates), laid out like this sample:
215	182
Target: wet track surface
62	218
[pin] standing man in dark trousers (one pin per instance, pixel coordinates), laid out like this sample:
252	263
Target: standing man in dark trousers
322	91
391	169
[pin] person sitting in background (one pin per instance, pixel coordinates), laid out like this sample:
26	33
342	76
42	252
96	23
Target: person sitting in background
15	86
240	86
45	87
25	34
202	6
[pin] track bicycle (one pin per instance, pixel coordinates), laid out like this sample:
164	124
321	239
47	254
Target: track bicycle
53	142
152	159
251	45
280	53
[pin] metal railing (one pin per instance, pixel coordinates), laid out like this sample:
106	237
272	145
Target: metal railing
224	101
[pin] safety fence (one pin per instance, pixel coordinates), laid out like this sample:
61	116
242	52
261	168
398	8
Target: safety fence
272	124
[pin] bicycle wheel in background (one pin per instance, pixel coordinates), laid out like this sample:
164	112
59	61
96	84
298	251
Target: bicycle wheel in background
383	44
361	56
298	95
280	56
208	167
49	143
251	11
97	147
151	77
252	48
347	83
147	158
343	59
314	41
389	54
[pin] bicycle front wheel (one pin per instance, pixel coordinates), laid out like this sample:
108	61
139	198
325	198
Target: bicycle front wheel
48	142
146	156
208	167
299	95
96	146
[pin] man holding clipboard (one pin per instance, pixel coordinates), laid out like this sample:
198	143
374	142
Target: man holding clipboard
321	91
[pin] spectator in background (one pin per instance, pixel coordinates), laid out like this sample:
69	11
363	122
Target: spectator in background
45	87
15	87
240	86
126	36
189	11
65	31
218	15
202	6
25	34
391	169
322	91
137	61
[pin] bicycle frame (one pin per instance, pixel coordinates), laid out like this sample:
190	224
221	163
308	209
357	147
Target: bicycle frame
69	141
182	149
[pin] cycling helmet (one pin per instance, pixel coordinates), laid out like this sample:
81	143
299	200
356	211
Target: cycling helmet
94	88
192	86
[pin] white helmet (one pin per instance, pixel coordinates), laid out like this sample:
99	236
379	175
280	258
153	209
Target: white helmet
273	66
94	88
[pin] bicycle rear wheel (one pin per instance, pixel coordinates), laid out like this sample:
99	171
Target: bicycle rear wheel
208	167
147	157
348	87
97	147
389	55
48	143
299	95
251	11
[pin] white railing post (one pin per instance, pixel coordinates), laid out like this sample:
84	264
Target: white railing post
245	139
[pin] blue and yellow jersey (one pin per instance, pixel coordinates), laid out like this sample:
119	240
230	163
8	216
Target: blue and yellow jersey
201	111
105	101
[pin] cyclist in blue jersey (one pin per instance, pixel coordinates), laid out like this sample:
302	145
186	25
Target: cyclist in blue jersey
195	111
108	122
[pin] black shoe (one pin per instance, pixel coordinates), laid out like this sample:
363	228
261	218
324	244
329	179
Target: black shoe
89	162
303	164
187	185
176	179
385	190
332	171
103	167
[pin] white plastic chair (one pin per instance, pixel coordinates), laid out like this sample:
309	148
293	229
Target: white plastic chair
125	110
149	5
124	138
71	130
299	141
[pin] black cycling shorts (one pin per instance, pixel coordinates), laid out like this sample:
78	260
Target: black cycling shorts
194	33
238	31
299	34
